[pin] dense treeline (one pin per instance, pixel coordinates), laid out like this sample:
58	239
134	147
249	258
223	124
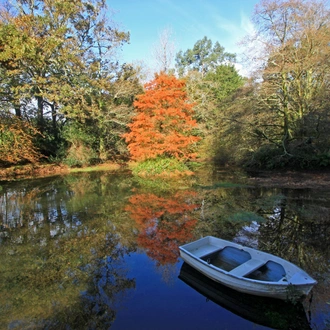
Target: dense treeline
64	96
60	76
287	116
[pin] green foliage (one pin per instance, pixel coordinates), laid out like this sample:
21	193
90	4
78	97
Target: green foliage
211	79
270	157
323	160
50	142
266	157
79	156
203	58
224	81
116	111
77	134
81	151
160	166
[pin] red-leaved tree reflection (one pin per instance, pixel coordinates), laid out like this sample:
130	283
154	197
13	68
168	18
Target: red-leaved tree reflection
164	223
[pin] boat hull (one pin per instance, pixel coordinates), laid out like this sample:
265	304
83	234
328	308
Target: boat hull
281	289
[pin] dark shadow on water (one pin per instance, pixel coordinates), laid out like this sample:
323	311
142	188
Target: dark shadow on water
272	313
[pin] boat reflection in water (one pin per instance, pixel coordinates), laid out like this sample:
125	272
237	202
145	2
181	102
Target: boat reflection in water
269	312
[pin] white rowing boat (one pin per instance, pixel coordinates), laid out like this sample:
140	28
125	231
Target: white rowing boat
247	270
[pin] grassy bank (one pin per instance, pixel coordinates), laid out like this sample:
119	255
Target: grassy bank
42	170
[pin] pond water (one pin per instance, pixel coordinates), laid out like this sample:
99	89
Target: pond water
100	250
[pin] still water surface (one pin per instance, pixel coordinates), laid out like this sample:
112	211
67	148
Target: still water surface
100	250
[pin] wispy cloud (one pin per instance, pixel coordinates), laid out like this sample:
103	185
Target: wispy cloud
190	20
231	28
246	24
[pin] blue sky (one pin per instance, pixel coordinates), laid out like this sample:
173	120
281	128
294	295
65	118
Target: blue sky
225	21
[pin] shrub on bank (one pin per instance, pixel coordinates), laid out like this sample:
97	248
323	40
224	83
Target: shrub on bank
161	166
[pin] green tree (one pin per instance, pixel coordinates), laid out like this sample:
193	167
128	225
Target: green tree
235	136
224	81
211	78
203	57
212	95
116	111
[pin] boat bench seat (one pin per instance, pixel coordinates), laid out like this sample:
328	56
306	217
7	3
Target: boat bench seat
247	267
205	250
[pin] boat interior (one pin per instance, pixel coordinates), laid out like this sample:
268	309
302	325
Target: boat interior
239	263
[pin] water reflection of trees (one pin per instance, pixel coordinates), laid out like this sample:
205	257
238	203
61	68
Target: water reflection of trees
54	239
76	282
299	230
163	222
291	223
106	286
296	229
61	260
294	224
61	205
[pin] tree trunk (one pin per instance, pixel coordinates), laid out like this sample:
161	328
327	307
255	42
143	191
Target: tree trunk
18	111
40	114
54	123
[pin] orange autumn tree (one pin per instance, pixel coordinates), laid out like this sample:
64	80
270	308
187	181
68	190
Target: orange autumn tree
163	122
